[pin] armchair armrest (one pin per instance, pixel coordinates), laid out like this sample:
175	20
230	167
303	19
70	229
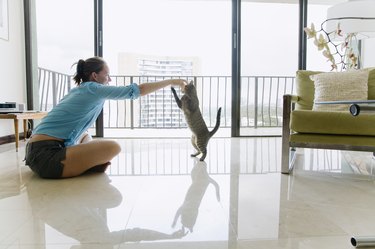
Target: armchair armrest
288	105
291	98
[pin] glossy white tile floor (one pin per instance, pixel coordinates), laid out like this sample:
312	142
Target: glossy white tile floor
236	199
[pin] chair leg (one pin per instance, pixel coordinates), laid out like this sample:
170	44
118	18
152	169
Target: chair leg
285	149
285	157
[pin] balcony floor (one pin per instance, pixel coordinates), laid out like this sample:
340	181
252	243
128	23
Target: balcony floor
327	199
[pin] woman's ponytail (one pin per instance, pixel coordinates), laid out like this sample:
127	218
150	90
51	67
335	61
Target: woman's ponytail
80	72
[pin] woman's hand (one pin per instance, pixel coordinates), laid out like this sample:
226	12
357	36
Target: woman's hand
179	82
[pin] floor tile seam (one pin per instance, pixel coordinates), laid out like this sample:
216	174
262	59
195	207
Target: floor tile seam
51	243
340	182
8	245
299	238
327	174
227	216
328	177
318	204
133	207
341	233
313	205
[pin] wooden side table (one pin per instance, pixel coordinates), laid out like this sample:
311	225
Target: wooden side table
22	116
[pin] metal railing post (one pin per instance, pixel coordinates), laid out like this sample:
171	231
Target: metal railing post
131	109
54	89
69	80
256	103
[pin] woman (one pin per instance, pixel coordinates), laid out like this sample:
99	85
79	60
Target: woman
59	147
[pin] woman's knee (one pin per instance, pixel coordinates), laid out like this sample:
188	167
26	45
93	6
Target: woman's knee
114	148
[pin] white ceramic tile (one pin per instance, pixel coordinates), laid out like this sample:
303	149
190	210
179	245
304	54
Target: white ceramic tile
327	199
321	242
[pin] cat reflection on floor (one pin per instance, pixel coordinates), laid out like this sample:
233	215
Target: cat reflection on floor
189	209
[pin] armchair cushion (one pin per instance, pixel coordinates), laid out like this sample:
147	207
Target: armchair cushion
335	86
334	140
338	123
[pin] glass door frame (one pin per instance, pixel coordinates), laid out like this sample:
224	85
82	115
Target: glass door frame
236	67
98	40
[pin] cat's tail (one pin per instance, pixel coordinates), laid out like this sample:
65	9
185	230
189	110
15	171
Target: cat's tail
217	123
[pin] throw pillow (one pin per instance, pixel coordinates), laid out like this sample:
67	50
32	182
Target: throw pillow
336	86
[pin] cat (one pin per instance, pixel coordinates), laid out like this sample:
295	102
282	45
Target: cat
189	104
193	198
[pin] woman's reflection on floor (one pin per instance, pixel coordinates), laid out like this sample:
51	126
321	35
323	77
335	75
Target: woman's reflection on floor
77	208
189	209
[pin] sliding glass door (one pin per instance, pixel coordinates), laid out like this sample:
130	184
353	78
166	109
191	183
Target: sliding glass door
269	59
151	40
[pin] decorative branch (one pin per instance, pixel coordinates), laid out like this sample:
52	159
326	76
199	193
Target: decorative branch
343	51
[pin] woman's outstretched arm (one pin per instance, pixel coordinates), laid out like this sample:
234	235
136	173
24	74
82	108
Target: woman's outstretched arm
146	88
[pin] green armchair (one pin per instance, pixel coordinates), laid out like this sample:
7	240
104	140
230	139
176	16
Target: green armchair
337	130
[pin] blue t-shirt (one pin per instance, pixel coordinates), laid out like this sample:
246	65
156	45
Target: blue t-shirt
78	110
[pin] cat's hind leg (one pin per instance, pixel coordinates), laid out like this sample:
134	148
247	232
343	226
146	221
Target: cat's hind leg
202	147
204	154
194	143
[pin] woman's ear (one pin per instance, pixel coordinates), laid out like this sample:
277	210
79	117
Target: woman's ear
93	76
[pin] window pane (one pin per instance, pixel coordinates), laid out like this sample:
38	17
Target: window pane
269	59
64	34
151	40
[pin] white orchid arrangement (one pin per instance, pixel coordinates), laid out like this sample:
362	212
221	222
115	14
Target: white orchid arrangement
343	51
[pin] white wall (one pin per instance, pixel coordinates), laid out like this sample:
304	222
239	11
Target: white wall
12	63
368	58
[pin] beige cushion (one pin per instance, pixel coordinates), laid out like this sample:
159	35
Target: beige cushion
336	86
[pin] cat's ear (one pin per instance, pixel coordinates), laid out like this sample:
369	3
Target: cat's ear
191	82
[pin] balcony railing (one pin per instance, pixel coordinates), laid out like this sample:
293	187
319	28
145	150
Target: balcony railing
261	101
52	87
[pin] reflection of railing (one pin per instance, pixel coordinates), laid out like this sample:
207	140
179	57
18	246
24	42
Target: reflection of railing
261	98
172	156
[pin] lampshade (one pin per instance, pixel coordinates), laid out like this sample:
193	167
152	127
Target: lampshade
354	16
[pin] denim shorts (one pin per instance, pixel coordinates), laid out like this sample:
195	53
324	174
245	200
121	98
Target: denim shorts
45	157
